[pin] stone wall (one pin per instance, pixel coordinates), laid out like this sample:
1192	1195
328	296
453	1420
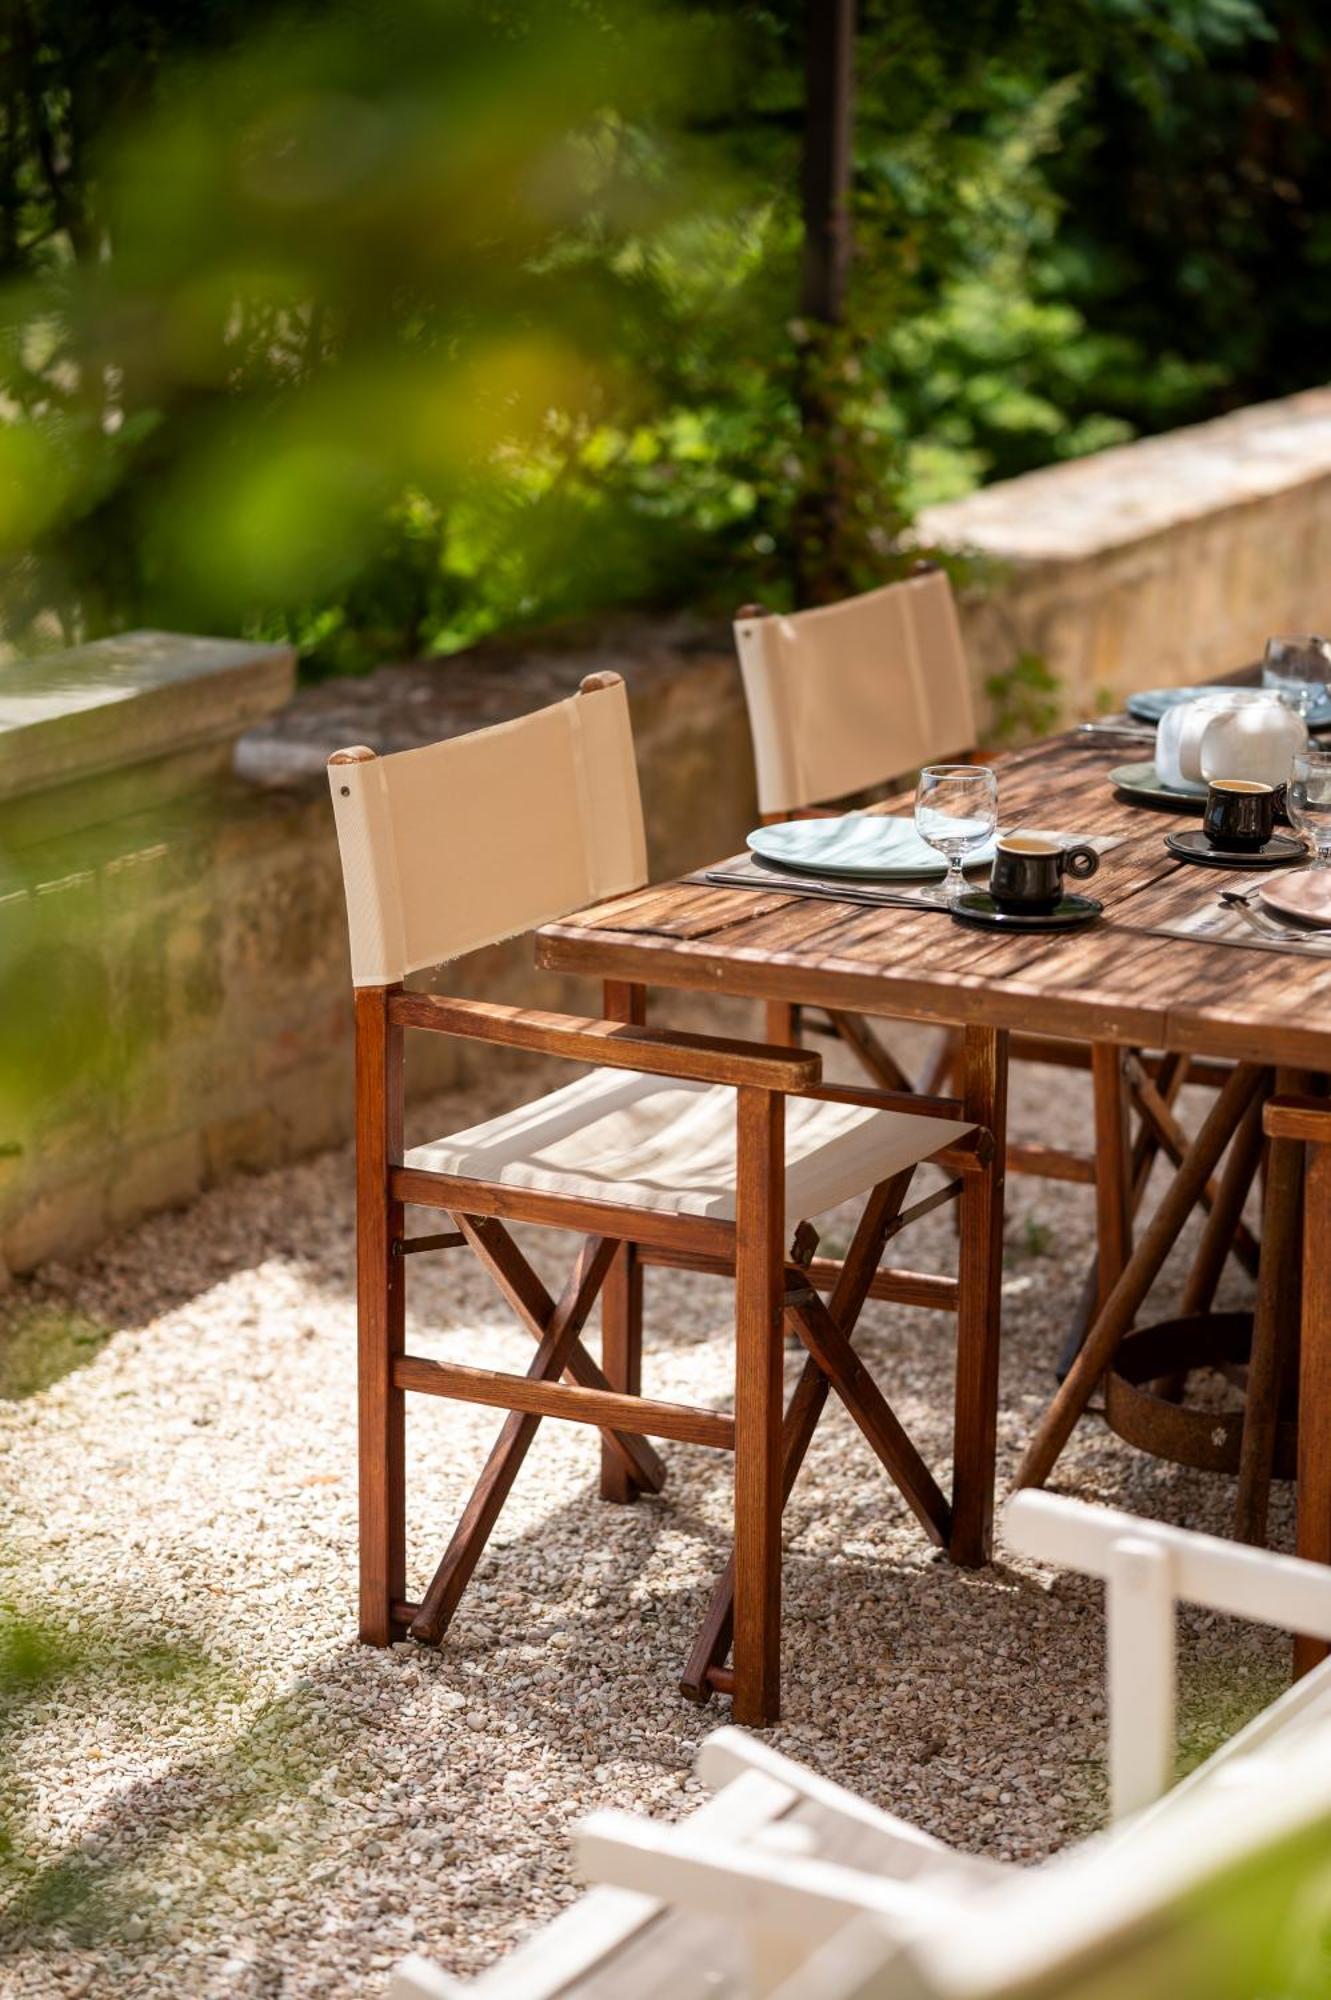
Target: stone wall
1168	561
174	990
174	986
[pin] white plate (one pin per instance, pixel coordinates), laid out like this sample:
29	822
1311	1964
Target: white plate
862	846
1301	893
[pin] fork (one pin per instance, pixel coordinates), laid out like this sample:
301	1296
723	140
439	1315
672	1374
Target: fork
1264	925
1134	732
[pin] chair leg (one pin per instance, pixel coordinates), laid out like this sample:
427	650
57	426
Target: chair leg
759	1351
621	1297
380	1306
980	1209
621	1360
1314	1447
534	1306
473	1531
802	1412
838	1361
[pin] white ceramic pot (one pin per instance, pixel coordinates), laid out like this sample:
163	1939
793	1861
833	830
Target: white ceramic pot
1257	740
1178	736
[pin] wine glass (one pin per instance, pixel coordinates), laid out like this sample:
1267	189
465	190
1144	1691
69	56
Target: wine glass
1308	801
956	810
1298	670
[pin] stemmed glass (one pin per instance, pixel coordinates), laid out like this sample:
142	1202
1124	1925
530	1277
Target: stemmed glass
1298	670
1308	801
956	810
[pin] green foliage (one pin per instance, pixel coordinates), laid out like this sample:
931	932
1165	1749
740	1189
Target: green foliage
39	1346
1024	701
383	328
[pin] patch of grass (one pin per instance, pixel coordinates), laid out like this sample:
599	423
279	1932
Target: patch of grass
1217	1698
1037	1238
41	1344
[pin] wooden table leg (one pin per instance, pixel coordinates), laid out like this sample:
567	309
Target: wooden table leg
759	1353
782	1024
1170	1077
1059	1420
1156	1113
1113	1168
1226	1212
1314	1487
975	1421
621	1299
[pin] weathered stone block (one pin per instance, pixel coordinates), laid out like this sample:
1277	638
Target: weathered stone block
123	701
162	1175
246	1142
58	1224
1172	560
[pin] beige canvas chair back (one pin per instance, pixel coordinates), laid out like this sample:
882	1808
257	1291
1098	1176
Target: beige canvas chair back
846	696
462	843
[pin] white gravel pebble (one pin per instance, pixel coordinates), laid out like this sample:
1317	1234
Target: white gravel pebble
221	1793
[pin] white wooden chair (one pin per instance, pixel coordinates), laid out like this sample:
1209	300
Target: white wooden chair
716	1151
1227	1898
787	1884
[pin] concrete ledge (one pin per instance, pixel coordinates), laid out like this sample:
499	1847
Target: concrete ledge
123	701
174	982
1170	560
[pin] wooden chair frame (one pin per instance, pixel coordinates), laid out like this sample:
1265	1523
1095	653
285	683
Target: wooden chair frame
1123	1081
1298	1127
772	1289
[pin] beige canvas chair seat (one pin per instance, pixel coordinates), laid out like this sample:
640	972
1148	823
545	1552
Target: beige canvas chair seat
663	1143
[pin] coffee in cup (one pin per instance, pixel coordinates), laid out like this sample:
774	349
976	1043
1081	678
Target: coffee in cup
1028	872
1240	814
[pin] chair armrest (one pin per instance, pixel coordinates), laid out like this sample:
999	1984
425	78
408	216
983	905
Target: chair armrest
616	1044
874	1099
1306	1118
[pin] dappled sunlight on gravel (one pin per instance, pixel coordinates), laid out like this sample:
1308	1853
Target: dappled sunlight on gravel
221	1793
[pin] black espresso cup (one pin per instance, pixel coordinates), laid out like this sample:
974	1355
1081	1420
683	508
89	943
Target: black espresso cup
1027	878
1240	814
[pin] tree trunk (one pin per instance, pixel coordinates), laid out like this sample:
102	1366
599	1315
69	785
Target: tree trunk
820	510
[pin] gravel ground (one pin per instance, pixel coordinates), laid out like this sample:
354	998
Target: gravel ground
211	1789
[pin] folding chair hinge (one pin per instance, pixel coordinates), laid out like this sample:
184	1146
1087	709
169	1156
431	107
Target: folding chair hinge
805	1244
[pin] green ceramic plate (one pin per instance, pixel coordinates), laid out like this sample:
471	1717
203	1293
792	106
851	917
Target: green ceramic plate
1142	784
868	847
1282	850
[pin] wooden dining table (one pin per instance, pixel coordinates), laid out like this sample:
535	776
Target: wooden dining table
1238	1014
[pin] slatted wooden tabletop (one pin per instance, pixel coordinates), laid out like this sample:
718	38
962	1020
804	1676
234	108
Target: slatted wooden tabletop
1114	982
